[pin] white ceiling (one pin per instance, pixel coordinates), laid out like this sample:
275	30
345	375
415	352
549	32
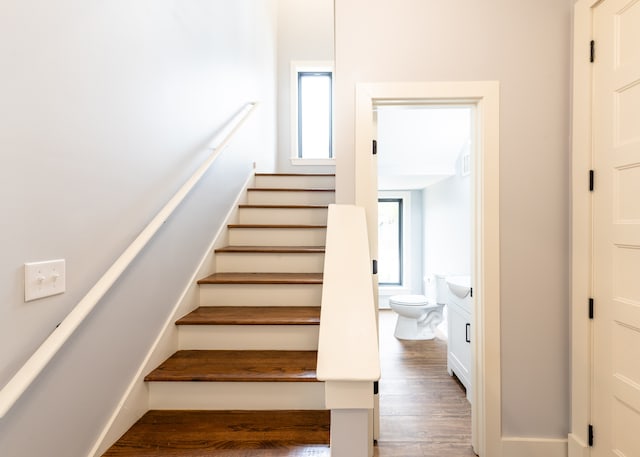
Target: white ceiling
419	145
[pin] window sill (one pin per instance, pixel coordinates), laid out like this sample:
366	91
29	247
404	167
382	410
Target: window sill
297	161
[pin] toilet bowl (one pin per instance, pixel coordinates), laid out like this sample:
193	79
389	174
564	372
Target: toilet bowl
417	318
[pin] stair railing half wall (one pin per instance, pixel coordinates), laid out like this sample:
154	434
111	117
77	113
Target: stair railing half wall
23	378
348	357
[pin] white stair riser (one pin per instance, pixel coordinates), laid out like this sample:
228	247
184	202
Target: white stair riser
249	337
290	198
277	237
293	182
269	262
260	294
311	216
236	395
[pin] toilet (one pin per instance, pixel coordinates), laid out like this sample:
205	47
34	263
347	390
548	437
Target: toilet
417	317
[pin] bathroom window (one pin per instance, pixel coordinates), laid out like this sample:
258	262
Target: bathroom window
390	241
312	116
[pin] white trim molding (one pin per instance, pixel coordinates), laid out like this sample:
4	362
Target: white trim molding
581	232
577	447
484	97
534	447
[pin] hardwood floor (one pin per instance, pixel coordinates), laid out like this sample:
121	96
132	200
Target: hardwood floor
423	410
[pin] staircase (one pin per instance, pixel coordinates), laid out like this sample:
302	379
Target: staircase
243	382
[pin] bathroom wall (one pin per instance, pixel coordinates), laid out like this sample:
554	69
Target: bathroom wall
447	226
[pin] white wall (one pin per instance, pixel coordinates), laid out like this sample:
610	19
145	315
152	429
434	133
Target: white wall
525	46
107	107
305	33
447	226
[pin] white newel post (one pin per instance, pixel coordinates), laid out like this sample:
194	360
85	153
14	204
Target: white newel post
351	403
348	358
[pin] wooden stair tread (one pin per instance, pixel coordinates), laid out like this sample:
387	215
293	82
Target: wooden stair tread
274	249
252	315
296	174
291	189
226	433
237	366
262	278
278	226
267	206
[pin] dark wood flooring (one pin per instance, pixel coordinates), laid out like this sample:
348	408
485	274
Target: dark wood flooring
423	410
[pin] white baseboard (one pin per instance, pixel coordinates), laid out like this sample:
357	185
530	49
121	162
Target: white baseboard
577	447
534	447
135	401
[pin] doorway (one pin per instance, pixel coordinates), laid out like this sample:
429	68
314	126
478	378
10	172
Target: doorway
483	97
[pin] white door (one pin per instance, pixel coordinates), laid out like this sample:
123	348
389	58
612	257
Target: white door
616	229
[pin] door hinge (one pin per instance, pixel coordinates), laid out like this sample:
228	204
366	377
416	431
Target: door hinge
374	147
471	291
375	267
592	51
591	308
590	432
592	180
376	388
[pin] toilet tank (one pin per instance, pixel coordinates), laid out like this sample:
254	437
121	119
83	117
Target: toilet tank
441	289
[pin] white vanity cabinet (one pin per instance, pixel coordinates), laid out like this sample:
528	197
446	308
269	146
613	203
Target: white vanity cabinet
459	343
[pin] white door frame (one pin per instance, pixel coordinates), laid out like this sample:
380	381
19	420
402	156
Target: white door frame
581	251
484	96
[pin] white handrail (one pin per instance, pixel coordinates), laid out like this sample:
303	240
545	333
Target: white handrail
348	340
12	391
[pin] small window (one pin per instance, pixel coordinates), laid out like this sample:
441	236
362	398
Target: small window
313	94
390	242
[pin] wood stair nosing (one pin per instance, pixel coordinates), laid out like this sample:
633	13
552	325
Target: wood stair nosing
276	206
198	433
252	315
276	226
303	175
262	278
273	249
291	189
237	366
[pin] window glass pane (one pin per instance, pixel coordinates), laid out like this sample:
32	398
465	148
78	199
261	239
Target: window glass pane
314	115
390	241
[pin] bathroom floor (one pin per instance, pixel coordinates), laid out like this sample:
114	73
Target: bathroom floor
423	410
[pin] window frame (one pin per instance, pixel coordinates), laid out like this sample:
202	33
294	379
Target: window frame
401	223
406	239
298	67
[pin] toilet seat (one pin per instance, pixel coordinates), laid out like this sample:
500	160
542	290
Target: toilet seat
409	300
417	317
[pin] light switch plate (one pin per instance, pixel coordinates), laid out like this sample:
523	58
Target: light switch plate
42	279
